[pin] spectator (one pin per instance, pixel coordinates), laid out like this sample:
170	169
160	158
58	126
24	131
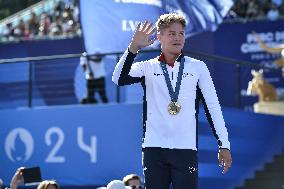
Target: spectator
240	8
18	179
56	27
95	76
273	13
62	21
133	180
33	25
117	184
76	12
48	184
8	32
252	10
264	5
256	9
44	25
22	27
59	8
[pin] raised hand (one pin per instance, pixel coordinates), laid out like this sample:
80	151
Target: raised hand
141	37
17	178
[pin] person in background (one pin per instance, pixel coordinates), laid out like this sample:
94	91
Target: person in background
18	179
95	76
273	13
133	180
48	184
115	184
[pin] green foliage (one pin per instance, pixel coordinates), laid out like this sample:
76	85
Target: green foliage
9	7
4	13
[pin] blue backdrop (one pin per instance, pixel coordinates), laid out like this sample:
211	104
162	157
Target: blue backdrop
243	46
91	145
74	145
109	25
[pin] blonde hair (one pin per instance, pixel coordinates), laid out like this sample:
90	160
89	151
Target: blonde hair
44	184
166	20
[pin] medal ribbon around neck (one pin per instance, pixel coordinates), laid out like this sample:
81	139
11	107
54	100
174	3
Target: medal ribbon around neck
173	94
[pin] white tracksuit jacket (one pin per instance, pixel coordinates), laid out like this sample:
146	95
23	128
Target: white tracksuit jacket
160	128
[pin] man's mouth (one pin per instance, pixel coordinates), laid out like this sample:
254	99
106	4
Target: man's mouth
176	44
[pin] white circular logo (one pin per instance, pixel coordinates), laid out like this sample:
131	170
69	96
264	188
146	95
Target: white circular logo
19	145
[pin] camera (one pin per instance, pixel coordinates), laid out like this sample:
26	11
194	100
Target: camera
32	175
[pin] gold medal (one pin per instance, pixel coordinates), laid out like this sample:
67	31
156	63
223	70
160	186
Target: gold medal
174	108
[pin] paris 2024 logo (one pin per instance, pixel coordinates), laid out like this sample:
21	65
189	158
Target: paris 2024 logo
19	145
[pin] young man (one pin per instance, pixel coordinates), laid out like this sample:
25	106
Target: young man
173	85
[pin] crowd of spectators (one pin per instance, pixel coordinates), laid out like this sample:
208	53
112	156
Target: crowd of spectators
130	181
62	21
256	9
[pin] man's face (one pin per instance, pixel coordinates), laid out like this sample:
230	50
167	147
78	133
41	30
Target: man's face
172	38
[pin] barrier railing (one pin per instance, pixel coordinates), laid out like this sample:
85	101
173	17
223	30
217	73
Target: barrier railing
33	61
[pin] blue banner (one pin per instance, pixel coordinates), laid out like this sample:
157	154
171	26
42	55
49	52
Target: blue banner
80	145
92	145
243	46
109	25
201	16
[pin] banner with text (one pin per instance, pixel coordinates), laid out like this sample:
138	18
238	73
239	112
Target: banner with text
108	25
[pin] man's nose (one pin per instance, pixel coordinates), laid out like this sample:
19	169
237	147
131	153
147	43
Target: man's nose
177	38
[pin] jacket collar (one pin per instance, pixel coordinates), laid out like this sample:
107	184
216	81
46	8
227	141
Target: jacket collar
161	58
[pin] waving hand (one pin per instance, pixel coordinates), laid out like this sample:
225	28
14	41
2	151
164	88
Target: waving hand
141	37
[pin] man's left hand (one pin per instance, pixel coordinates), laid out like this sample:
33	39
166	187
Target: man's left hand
225	159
